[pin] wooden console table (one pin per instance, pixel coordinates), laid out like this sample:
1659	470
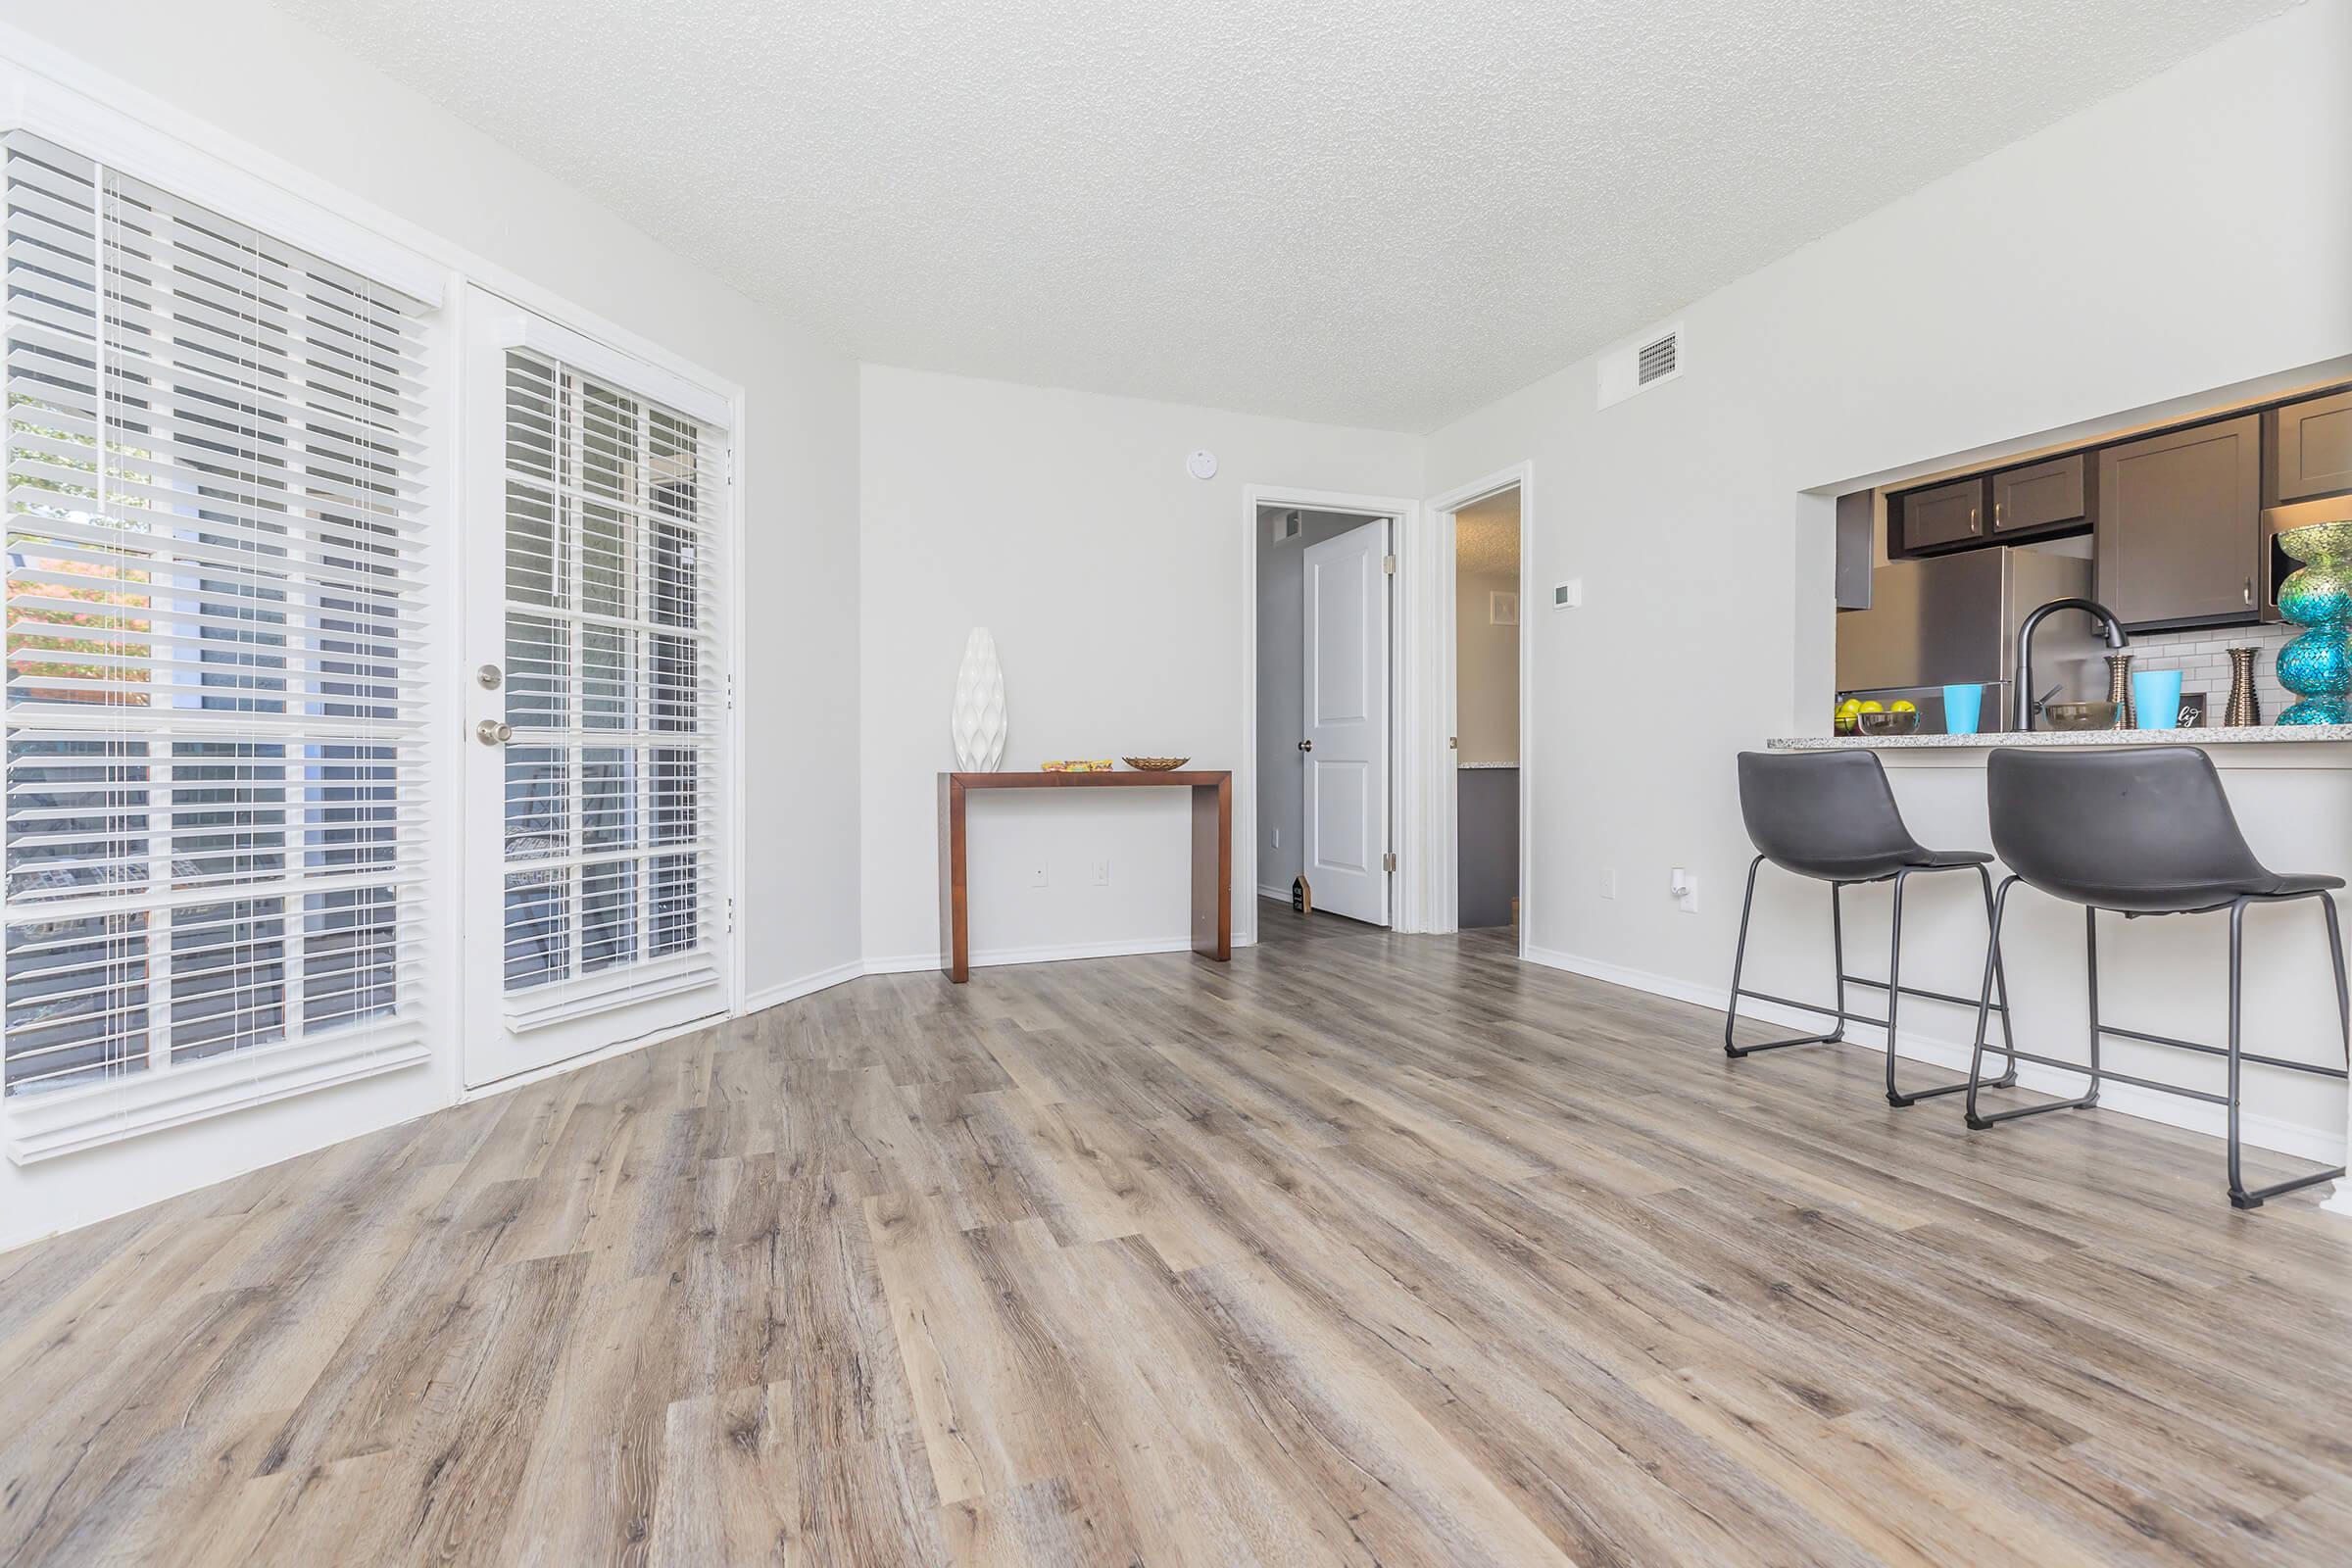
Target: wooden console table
1212	852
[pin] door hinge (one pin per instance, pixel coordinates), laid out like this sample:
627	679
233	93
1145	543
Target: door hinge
730	691
1387	861
731	916
1387	563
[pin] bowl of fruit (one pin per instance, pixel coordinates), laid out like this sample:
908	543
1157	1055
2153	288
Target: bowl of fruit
1858	716
1897	717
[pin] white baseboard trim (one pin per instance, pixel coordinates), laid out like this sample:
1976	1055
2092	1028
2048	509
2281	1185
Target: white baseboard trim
1049	952
1278	895
2262	1131
793	990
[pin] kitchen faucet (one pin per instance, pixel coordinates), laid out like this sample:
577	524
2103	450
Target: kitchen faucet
2111	628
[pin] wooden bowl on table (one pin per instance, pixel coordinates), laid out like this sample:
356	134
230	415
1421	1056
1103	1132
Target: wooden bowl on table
1155	765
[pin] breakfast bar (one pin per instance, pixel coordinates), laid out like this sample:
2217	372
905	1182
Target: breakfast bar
2291	789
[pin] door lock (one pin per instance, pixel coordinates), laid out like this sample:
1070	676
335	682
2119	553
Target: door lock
1306	746
489	675
494	732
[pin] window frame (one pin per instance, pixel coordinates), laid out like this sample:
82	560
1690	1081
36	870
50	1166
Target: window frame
68	100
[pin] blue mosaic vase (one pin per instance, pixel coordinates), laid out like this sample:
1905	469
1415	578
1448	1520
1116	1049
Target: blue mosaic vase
2316	666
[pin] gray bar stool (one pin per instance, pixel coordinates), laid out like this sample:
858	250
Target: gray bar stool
1829	816
2141	830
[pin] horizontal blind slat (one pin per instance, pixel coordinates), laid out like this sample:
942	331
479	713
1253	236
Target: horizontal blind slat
215	805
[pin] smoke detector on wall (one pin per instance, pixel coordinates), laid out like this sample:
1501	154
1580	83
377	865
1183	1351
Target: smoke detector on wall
1651	360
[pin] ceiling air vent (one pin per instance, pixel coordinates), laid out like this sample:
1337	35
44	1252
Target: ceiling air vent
1650	360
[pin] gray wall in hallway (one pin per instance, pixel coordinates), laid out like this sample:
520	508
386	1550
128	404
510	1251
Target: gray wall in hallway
1487	861
1281	688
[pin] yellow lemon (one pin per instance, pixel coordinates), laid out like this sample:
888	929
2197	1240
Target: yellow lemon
1902	706
1870	707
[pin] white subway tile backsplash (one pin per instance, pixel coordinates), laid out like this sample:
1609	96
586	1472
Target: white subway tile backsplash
2204	660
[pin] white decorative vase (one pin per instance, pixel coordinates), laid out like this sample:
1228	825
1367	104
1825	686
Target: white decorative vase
978	720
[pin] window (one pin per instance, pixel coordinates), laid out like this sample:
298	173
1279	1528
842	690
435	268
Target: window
611	670
216	674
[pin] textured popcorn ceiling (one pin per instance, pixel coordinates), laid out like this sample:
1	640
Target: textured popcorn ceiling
1369	211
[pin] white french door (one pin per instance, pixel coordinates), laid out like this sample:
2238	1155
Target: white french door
1347	709
596	905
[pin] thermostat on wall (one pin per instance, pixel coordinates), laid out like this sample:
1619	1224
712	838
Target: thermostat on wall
1201	464
1568	595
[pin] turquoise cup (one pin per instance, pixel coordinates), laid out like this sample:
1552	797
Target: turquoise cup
2156	698
1963	707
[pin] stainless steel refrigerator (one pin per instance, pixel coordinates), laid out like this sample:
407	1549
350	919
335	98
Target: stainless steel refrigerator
1951	620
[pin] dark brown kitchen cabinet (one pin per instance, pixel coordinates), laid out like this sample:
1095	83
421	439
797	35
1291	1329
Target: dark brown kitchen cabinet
2040	495
1943	515
2311	448
2180	525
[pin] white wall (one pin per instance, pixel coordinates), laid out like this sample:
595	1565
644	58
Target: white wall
1282	691
1064	522
309	111
2191	233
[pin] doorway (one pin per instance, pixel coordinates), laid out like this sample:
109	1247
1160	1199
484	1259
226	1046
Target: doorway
597	875
1458	624
1486	684
1323	744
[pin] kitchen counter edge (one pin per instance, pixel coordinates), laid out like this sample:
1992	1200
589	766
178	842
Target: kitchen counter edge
2275	734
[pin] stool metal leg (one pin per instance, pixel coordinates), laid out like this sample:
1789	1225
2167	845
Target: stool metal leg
2000	981
1894	996
2343	992
1976	1119
1983	1006
2239	1197
2091	971
1993	968
1731	1011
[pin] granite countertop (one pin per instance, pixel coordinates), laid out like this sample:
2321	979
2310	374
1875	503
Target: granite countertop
2275	734
1467	766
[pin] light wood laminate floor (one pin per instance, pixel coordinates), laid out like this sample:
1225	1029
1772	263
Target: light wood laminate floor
1361	1249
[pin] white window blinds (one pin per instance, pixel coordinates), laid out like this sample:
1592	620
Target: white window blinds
216	661
612	671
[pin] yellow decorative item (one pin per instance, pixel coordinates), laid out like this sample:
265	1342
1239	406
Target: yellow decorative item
1155	765
1083	764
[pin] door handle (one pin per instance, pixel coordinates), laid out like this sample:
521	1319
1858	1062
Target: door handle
1306	746
494	732
2249	591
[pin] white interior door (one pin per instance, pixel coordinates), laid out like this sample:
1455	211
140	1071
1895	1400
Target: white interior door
595	905
1348	724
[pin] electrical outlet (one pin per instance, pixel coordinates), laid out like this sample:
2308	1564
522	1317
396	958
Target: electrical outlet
1037	875
1608	882
1684	886
1102	872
